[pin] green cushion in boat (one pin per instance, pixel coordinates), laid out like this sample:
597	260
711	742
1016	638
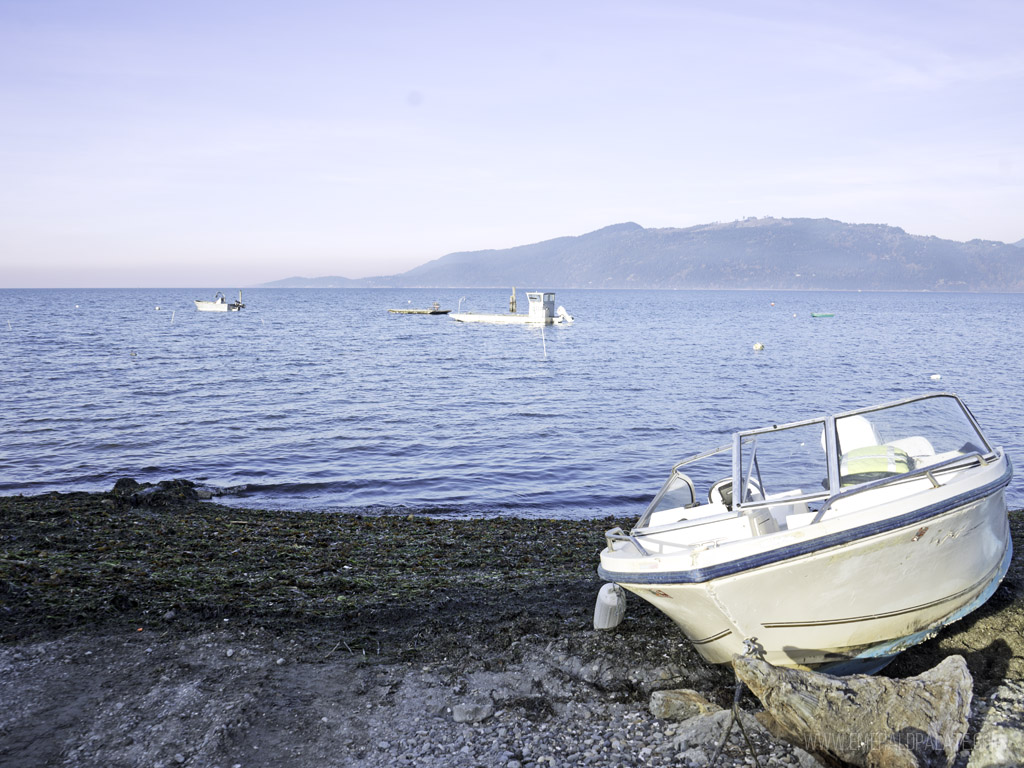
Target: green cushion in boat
873	462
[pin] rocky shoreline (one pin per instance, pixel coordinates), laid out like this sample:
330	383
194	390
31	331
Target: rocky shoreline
148	627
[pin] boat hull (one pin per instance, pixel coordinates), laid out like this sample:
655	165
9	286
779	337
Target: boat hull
214	306
501	319
420	311
849	607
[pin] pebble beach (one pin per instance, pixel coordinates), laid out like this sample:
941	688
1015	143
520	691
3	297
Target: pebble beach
147	626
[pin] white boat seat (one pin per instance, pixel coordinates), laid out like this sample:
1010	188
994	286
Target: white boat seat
854	432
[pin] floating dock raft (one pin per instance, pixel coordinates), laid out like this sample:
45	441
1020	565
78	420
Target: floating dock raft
434	310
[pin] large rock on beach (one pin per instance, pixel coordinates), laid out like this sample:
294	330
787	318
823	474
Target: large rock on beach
162	494
917	722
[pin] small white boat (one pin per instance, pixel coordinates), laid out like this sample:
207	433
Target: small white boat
541	312
220	304
832	543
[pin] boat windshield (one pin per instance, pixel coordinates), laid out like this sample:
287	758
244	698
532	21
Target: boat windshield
680	490
891	440
813	460
787	461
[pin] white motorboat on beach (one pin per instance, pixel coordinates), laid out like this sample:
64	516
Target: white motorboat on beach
220	304
541	312
832	543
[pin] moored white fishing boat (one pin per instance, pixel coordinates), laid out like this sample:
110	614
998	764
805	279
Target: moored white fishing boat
220	304
541	312
850	537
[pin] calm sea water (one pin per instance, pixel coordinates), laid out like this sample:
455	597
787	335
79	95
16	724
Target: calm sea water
314	399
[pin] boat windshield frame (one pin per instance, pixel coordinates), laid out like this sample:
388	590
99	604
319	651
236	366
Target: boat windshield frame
744	468
832	455
748	482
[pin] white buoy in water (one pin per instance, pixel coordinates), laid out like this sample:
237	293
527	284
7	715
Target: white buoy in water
935	376
758	346
610	607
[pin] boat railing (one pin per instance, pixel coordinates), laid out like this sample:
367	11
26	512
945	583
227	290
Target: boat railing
617	534
973	457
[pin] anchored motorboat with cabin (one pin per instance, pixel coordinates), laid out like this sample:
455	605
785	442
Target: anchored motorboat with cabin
220	304
541	312
832	543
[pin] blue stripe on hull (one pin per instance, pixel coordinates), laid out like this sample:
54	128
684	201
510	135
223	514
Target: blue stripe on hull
701	575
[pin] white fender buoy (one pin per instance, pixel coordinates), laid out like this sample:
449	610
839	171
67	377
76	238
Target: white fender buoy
758	346
935	376
610	607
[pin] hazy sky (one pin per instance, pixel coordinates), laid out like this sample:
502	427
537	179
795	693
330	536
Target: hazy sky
223	144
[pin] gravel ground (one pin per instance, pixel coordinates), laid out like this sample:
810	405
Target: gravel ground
231	698
179	632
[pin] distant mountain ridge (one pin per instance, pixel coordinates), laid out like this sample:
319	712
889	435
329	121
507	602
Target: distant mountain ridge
769	253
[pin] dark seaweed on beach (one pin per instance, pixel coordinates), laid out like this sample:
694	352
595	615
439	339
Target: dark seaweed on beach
158	557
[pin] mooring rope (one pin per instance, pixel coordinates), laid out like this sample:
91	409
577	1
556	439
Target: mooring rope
749	649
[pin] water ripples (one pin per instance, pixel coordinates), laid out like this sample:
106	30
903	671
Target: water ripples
322	400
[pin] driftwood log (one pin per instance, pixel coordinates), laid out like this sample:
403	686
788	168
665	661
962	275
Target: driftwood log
874	722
